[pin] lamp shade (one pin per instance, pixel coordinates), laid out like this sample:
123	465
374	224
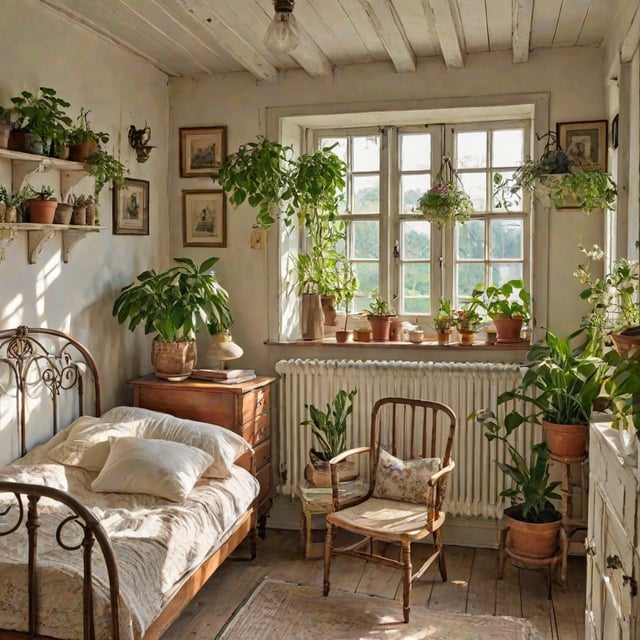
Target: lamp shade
223	348
283	34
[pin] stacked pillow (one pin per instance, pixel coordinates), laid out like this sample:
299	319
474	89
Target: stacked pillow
141	451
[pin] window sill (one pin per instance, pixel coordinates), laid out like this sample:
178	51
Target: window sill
425	345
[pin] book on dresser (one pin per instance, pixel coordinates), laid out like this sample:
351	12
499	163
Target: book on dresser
224	376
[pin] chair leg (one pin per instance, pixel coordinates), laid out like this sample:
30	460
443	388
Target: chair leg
442	563
406	579
328	548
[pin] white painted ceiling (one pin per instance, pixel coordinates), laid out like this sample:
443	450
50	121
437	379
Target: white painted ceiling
195	37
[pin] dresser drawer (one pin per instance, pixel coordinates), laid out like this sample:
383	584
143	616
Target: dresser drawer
256	403
258	430
264	477
262	455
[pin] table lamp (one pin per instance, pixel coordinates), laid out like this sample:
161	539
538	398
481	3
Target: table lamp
223	348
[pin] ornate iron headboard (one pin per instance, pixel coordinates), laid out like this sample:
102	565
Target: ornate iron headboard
40	358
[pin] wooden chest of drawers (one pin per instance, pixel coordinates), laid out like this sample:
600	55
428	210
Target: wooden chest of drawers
244	408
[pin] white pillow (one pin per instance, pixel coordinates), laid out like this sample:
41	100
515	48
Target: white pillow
406	480
223	445
87	443
154	467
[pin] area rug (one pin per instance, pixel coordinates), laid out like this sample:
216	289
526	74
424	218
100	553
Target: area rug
288	611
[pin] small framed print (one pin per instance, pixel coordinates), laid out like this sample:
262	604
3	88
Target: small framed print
204	218
202	150
131	208
585	143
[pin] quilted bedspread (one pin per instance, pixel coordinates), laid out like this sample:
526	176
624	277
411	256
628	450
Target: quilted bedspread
156	543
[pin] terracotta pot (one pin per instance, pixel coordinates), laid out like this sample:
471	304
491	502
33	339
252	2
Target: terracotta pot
5	132
91	214
329	310
42	211
318	473
533	540
380	326
444	336
362	335
507	329
467	337
627	343
312	319
566	440
344	335
11	214
63	213
80	152
173	361
395	330
79	215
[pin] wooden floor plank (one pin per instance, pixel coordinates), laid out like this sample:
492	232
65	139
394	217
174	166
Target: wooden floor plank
472	586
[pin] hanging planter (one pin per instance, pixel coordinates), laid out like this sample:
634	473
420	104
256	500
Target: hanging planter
446	202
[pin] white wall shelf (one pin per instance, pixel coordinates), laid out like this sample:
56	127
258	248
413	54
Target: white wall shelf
40	234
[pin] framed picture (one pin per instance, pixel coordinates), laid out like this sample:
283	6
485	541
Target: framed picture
202	150
584	142
204	218
131	208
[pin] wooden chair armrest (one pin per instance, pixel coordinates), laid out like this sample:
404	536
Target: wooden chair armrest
438	474
333	466
350	452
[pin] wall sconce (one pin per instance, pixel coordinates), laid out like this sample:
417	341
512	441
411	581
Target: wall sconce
139	140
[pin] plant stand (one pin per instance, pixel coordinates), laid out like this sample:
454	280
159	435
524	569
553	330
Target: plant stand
558	558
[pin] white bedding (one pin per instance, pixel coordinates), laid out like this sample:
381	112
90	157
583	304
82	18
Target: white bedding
142	529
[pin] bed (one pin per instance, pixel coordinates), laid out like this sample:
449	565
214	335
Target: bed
109	522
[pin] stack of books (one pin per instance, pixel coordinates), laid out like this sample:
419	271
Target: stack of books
224	376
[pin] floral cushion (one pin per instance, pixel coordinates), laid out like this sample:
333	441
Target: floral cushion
406	480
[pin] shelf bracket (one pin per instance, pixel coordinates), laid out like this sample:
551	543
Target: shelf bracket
6	236
70	239
22	170
68	180
37	240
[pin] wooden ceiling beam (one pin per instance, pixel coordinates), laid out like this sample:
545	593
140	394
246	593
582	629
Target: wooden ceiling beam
228	39
522	17
387	25
442	15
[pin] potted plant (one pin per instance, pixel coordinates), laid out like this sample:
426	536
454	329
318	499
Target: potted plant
559	389
442	321
446	202
41	204
104	168
82	140
532	520
11	202
379	314
623	390
330	431
467	322
41	117
615	309
175	304
555	175
347	285
507	305
270	177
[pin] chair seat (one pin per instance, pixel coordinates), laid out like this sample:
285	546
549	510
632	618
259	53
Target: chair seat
386	519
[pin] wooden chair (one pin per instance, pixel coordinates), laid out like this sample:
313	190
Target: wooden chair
405	504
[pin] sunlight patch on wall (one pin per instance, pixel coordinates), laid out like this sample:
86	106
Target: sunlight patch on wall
13	312
45	279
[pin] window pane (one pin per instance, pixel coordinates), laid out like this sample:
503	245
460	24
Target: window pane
468	276
415	151
475	186
365	237
368	282
366	153
416	240
411	188
506	239
514	201
471	150
340	149
366	194
470	240
508	148
503	272
416	288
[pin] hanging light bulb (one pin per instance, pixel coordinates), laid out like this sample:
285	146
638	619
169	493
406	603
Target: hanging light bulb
283	35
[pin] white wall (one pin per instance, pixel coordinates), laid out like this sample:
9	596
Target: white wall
243	104
40	48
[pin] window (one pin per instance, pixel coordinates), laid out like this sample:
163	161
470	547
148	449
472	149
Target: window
393	249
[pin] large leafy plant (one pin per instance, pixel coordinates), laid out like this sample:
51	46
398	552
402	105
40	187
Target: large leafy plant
270	177
176	303
330	427
510	299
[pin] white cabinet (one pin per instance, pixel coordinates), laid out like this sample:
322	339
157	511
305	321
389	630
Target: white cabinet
23	166
613	558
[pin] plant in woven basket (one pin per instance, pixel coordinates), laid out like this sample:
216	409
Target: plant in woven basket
446	202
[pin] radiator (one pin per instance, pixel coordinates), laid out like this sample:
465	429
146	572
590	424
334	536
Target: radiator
474	487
